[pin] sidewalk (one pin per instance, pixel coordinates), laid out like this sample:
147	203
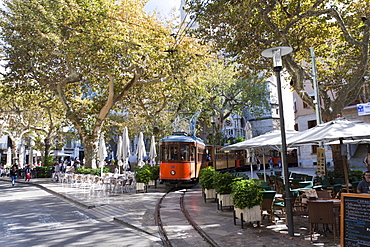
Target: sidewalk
136	211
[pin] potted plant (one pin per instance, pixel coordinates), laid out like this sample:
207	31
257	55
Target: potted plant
142	177
206	177
154	170
247	198
222	184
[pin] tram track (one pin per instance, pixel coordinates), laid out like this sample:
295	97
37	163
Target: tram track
175	224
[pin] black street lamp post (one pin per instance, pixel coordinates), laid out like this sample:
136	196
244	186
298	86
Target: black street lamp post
213	122
227	158
276	53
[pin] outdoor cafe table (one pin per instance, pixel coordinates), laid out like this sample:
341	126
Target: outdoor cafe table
336	202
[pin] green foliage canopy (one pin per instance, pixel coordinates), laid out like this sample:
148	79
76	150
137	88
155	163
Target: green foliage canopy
338	30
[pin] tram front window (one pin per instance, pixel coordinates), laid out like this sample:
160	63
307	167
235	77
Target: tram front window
174	153
184	152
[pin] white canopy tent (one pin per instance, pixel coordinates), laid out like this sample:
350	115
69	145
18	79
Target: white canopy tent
270	140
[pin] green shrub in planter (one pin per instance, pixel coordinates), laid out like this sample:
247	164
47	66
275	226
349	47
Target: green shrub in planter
92	171
206	176
222	182
143	174
154	172
246	193
44	171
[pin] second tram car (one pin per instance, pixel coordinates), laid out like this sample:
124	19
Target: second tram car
181	157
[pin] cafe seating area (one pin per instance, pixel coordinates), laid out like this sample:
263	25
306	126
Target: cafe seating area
315	202
108	182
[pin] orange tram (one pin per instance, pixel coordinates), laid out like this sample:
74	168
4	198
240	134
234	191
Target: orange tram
182	157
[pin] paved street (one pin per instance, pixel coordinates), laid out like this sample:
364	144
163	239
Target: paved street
65	215
31	216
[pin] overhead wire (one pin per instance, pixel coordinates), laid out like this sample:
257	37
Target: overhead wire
185	31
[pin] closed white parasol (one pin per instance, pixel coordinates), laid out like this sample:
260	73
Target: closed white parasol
119	153
141	153
102	153
125	148
153	151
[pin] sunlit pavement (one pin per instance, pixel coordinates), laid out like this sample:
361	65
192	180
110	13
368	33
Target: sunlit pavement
136	210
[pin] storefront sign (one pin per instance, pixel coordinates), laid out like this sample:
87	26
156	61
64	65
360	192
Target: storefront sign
320	161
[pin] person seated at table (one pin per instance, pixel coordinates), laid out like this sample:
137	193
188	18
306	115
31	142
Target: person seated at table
364	185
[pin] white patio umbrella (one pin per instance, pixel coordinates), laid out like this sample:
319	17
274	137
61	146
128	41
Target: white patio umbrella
141	153
250	153
102	153
125	148
9	157
119	153
270	139
153	151
338	129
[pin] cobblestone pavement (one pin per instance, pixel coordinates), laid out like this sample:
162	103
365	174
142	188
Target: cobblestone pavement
136	210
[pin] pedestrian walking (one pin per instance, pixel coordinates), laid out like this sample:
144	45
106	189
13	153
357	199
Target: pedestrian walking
13	174
367	161
258	163
271	163
56	171
27	171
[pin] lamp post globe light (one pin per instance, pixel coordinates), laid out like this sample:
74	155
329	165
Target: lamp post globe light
276	53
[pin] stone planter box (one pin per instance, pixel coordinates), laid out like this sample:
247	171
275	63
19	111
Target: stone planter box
209	194
248	215
224	200
152	183
140	187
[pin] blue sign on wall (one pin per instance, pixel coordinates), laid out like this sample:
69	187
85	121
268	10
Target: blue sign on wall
363	109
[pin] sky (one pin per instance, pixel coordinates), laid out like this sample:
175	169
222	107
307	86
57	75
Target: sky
163	6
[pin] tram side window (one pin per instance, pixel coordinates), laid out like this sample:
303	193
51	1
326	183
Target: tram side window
201	156
184	152
192	153
164	155
174	153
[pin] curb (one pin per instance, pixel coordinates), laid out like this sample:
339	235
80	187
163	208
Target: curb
122	222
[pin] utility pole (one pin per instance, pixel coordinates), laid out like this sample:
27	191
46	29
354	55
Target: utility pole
316	88
321	166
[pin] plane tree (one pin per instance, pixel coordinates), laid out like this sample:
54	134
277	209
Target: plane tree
337	30
225	92
90	54
28	113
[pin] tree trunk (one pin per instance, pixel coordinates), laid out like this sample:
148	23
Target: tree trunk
15	144
45	161
338	158
90	152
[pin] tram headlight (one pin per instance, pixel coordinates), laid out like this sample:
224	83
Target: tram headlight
173	173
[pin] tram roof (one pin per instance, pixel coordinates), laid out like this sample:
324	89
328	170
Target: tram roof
182	138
